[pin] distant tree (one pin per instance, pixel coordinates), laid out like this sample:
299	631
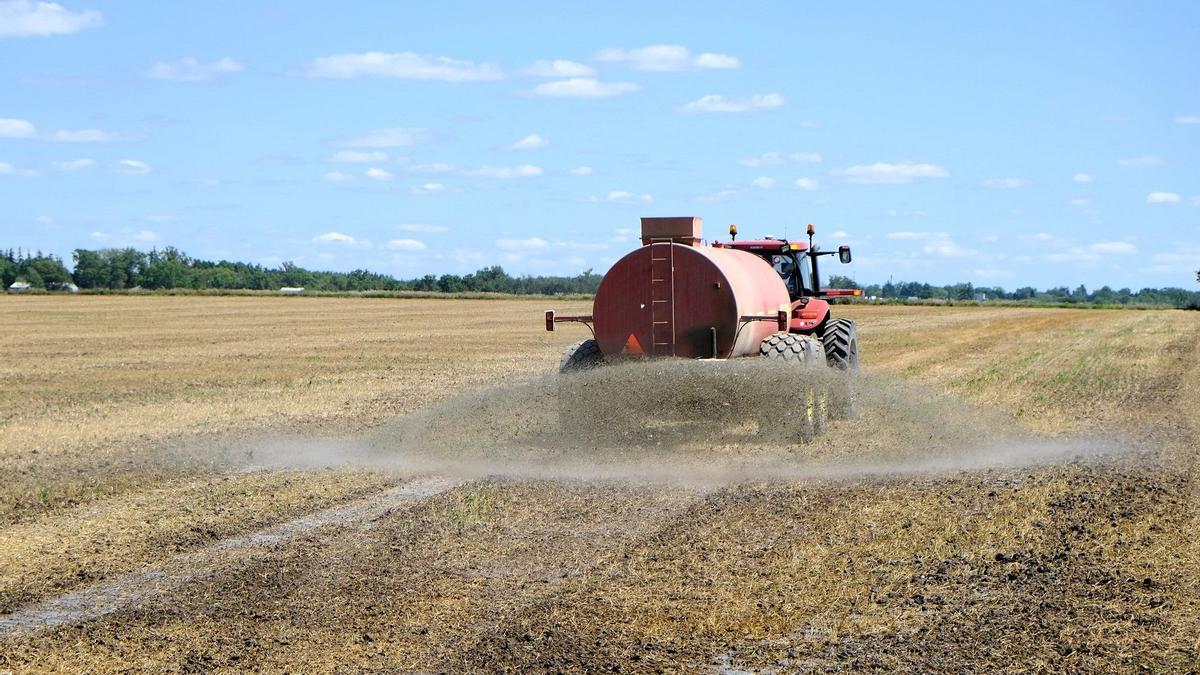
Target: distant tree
451	283
32	277
49	270
296	276
426	283
961	291
166	273
8	271
91	270
839	281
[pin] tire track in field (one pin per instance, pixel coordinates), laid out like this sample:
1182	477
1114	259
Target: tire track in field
114	594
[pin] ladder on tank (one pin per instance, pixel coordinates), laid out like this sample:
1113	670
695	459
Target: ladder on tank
662	297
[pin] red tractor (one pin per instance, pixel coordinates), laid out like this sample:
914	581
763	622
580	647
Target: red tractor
676	297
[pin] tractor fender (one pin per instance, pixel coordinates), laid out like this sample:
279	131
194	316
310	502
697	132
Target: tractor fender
808	315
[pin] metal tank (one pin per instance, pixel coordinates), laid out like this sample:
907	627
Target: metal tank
674	297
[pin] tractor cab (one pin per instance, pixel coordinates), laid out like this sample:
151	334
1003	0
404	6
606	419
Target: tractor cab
790	260
793	261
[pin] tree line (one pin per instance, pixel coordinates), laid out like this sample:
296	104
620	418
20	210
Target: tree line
1105	295
170	268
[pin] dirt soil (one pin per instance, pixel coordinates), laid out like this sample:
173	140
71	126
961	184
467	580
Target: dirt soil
300	484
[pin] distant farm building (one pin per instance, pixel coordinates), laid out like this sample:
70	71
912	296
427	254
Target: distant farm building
291	290
19	287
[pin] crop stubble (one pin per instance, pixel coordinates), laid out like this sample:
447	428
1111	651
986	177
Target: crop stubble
1078	564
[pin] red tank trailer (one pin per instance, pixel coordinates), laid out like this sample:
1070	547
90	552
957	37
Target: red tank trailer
677	297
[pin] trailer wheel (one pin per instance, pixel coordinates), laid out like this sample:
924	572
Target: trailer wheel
841	345
582	355
799	349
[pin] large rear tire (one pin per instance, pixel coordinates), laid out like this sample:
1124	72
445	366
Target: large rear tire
841	345
799	349
841	352
582	355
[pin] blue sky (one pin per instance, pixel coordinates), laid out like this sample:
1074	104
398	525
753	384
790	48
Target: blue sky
1008	143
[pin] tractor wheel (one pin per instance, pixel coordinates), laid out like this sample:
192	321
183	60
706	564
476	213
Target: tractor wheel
582	355
799	349
841	345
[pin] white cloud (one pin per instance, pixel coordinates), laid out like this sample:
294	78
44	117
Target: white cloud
406	245
19	18
774	158
1113	248
375	173
191	69
1148	160
907	235
1162	198
806	184
530	244
100	236
358	156
334	238
16	128
623	197
719	196
715	103
394	137
558	68
717	61
428	188
82	136
1180	260
521	171
75	164
1006	183
7	169
1093	253
666	58
436	167
583	87
1040	237
766	159
884	173
161	218
530	142
947	248
936	243
764	182
1187	119
133	167
1082	177
402	66
423	228
582	171
337	177
1079	202
144	236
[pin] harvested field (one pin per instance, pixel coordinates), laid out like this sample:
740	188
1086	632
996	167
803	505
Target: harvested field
208	483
